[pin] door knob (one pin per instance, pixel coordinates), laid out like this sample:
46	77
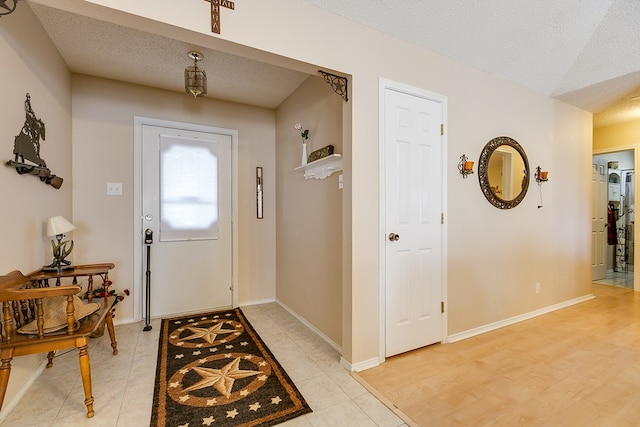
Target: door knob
393	237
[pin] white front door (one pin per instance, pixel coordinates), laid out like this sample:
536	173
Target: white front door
186	203
413	227
599	242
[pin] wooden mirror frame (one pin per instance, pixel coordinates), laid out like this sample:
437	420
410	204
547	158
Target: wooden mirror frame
483	176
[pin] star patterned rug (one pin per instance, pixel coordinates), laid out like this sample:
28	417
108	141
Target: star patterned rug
214	370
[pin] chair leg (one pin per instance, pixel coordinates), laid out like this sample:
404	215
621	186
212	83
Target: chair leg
50	357
112	333
85	372
5	371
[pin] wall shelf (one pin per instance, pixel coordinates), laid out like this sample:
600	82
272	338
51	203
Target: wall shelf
320	169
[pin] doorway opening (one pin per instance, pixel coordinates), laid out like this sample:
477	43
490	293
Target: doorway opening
620	217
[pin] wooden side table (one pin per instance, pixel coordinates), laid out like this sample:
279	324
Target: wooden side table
42	277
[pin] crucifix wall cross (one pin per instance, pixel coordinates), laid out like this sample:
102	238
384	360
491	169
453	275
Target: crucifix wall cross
215	12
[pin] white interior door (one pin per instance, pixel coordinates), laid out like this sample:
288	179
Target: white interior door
414	230
186	202
598	220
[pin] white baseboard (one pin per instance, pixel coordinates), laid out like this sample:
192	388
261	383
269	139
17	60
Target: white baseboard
258	302
313	329
7	407
360	366
512	320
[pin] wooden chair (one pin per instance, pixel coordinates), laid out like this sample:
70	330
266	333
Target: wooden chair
27	327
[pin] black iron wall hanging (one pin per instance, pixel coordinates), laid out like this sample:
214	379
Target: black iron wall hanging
339	84
26	147
6	9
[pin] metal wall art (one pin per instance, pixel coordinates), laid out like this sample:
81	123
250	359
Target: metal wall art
5	8
215	12
339	84
26	147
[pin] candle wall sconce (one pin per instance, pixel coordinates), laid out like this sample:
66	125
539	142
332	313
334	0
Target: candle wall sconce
465	166
541	176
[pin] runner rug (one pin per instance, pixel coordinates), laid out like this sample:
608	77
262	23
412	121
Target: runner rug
214	370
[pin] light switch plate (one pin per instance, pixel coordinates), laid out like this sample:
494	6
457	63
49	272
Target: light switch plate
114	188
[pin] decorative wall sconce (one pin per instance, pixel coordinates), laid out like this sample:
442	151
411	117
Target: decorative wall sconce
465	166
195	78
7	9
541	176
58	226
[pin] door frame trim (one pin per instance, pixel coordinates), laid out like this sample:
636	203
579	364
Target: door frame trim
138	122
636	233
386	84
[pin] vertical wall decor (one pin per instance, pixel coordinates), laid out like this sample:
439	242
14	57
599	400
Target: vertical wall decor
259	196
215	12
26	147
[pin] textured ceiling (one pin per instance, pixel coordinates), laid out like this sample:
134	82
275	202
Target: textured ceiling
102	49
584	52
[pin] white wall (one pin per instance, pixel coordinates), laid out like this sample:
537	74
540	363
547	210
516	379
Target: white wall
494	257
103	113
309	214
30	63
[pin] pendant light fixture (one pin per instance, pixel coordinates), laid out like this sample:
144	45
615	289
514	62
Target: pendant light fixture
195	79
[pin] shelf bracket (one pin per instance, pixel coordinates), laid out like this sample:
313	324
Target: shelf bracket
339	84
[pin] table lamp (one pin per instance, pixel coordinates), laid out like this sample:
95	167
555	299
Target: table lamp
57	226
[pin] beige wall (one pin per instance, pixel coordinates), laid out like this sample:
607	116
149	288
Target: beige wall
309	214
103	114
494	257
31	64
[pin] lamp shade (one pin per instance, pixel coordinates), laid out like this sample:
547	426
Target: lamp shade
58	225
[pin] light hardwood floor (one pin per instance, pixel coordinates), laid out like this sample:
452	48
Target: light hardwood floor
579	366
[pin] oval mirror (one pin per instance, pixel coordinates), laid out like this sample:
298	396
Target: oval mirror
503	172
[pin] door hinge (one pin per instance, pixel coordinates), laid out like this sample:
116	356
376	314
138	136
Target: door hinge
441	306
441	128
442	218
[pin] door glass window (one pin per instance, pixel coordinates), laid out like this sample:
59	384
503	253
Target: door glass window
188	189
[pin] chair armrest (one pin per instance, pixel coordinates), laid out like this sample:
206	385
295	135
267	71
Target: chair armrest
38	293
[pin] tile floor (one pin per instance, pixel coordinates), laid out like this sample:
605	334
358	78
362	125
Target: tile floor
123	384
615	278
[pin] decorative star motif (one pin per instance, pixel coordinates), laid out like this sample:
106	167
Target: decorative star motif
197	353
276	400
255	406
221	379
208	334
244	393
174	384
179	356
232	414
244	343
184	371
184	425
184	398
208	421
211	402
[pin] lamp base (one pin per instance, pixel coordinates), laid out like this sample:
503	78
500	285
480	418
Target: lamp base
59	268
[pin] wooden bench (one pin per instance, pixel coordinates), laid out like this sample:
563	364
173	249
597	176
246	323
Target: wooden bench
41	319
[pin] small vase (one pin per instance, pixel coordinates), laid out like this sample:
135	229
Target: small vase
304	154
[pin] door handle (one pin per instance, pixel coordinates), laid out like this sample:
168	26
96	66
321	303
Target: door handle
393	237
